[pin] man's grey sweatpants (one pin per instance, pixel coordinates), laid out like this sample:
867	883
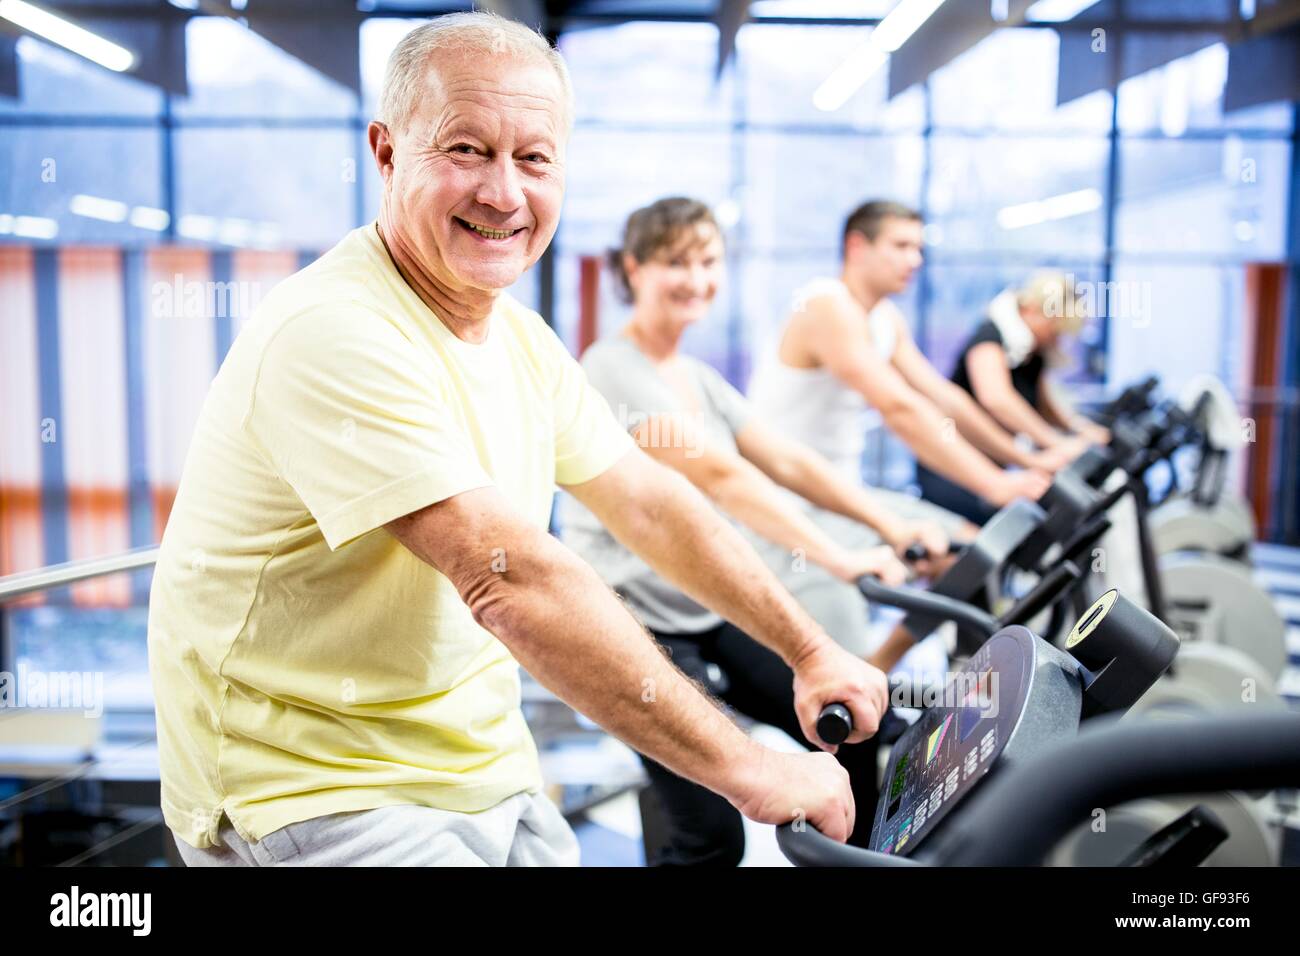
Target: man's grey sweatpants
524	830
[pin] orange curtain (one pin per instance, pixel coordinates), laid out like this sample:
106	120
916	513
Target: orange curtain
21	543
93	432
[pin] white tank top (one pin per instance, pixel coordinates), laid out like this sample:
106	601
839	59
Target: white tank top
811	404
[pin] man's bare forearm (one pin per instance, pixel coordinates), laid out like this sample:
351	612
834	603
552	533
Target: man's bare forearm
1017	415
571	633
1059	414
981	430
944	451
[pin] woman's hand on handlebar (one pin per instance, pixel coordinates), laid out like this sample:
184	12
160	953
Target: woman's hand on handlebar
828	674
1031	484
933	543
1056	457
879	562
1092	433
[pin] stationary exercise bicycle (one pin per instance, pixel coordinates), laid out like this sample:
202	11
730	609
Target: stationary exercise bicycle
1199	514
996	773
1203	596
1052	539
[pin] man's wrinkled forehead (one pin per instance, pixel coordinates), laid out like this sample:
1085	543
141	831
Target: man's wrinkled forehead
464	89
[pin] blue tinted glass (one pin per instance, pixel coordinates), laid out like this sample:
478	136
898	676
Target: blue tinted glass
1008	81
799	187
84	184
1187	93
783	65
1185	320
235	72
647	73
1163	10
106	641
1018	194
55	81
611	173
821	8
263	187
1210	197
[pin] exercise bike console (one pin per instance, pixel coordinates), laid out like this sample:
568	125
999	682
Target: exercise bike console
1015	695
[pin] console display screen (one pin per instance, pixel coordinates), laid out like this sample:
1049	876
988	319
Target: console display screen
936	739
974	702
952	746
899	781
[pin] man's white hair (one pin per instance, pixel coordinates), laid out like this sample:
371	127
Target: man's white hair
480	32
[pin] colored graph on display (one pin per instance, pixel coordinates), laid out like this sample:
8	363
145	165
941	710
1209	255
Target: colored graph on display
937	738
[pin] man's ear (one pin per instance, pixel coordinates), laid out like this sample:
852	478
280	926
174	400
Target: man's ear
382	148
853	244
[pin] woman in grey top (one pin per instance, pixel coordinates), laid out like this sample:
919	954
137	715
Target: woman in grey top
686	415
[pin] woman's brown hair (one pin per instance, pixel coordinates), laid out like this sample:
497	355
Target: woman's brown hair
656	227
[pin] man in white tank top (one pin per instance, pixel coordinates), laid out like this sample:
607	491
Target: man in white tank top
845	356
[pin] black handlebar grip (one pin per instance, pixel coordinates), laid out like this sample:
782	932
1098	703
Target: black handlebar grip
835	724
915	552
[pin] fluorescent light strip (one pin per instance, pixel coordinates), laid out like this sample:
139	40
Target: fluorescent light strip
146	217
228	232
35	227
904	20
890	34
235	232
93	207
268	235
1044	210
848	77
198	227
1057	11
67	34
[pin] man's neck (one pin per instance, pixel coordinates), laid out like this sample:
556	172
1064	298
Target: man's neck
463	311
866	296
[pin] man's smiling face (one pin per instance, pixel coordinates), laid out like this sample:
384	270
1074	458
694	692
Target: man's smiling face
478	178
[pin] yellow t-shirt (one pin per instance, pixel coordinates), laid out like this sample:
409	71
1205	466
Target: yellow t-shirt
304	662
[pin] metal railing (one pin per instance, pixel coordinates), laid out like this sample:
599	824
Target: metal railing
57	575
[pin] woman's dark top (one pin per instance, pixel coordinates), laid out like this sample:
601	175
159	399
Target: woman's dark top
1025	378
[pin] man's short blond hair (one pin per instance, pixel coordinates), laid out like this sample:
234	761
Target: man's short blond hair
480	32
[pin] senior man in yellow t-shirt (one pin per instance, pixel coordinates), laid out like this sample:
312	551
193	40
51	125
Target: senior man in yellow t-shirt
357	561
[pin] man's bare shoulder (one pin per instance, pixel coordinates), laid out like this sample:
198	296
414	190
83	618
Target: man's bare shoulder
823	305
